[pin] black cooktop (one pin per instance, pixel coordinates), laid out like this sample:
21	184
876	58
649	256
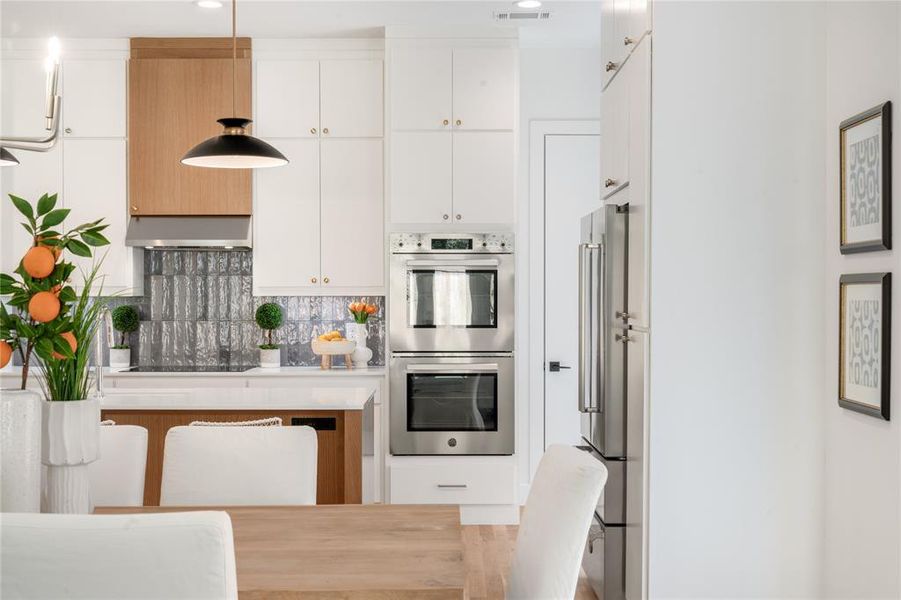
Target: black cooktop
192	369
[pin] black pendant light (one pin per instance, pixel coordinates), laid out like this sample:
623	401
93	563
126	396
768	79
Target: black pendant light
234	149
7	159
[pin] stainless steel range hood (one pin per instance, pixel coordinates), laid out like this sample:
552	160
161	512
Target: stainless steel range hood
190	232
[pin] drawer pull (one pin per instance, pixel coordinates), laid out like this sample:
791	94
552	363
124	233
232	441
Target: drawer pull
452	486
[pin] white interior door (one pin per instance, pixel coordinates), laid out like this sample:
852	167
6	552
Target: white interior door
572	190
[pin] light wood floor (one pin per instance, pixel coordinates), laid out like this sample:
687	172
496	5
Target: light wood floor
488	550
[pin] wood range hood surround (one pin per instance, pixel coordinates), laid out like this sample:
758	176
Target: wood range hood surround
177	89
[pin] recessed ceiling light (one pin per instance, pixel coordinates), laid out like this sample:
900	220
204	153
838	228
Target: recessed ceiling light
208	3
528	4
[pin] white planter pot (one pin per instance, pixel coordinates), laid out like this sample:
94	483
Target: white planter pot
271	359
20	451
119	358
358	332
70	441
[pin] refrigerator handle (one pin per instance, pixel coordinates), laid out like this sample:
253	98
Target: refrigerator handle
588	334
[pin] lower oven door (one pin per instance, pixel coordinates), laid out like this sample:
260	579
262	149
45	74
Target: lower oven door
452	404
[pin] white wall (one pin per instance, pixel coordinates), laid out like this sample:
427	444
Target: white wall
555	84
863	455
736	435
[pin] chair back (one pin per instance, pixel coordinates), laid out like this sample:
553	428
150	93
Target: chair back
189	555
555	525
117	477
228	466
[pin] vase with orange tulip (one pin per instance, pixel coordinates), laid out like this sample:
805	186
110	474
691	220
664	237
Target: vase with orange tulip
45	321
356	331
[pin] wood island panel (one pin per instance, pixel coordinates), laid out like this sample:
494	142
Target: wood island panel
339	465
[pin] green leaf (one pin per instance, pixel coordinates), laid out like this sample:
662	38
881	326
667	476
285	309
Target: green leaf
46	204
25	330
78	248
7	285
92	238
27	228
22	206
67	294
55	217
63	347
44	349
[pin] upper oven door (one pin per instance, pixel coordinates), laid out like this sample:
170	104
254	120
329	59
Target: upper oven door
451	303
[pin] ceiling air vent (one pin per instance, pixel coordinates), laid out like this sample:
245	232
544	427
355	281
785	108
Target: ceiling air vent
522	15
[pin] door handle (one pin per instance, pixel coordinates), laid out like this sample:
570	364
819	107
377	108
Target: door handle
554	366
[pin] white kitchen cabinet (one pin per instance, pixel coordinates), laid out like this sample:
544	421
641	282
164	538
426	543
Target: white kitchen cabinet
623	24
615	121
453	480
483	174
352	222
94	93
421	88
37	173
94	186
484	88
23	85
421	177
287	98
286	220
351	98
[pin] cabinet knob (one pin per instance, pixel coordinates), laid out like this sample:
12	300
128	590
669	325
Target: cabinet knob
459	122
446	217
623	338
133	207
313	280
609	182
325	130
325	280
313	130
459	217
627	41
610	66
68	130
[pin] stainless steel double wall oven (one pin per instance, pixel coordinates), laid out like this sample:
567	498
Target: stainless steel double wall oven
451	338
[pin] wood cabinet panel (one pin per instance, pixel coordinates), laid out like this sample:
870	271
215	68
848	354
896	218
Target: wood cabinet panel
173	105
339	466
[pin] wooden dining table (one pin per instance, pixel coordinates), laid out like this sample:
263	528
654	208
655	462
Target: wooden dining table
372	551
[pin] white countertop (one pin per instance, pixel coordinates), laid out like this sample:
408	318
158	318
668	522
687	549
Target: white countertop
299	398
11	371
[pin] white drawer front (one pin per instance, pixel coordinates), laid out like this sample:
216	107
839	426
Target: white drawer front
453	483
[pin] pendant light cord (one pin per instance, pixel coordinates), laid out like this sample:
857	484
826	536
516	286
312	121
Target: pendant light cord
234	58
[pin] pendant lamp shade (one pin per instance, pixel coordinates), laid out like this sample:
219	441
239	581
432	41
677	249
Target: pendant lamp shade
7	159
234	149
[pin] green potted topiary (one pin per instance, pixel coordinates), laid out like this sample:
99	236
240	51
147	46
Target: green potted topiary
269	318
125	320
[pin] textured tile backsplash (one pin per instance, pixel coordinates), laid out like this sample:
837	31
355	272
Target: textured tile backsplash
198	309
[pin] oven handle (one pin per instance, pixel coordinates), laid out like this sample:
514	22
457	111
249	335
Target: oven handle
456	368
456	264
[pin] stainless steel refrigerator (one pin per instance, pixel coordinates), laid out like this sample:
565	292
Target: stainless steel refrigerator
611	393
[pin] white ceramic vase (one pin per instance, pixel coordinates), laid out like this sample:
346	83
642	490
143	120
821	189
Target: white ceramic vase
70	442
119	358
357	333
271	359
20	451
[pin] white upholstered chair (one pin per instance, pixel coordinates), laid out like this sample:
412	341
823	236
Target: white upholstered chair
227	466
187	555
555	525
117	477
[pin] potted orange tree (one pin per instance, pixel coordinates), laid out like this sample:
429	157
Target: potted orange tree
44	320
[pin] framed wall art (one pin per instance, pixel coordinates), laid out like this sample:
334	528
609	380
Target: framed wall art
865	306
865	143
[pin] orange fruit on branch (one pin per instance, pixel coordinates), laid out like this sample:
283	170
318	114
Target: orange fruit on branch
73	343
39	262
43	307
6	352
56	250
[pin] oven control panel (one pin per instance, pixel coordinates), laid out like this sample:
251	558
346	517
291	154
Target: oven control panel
417	243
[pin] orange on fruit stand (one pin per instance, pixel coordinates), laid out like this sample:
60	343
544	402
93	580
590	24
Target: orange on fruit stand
69	337
39	262
43	307
6	352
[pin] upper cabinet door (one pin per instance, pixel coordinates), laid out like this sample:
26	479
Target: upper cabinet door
421	177
287	98
351	98
94	98
484	88
38	173
483	177
286	221
421	95
23	85
352	214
